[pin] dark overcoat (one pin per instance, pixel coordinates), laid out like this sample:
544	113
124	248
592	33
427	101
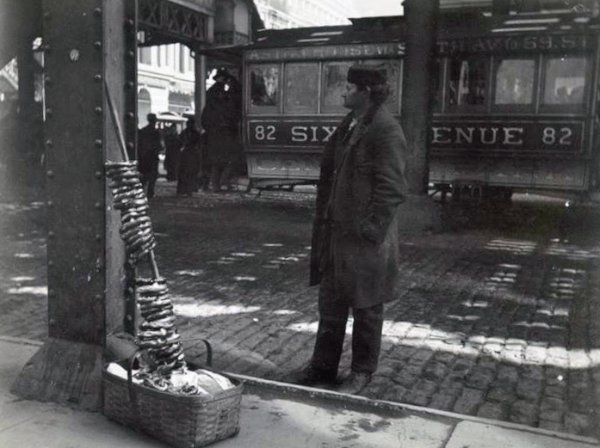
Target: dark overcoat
220	120
149	148
360	192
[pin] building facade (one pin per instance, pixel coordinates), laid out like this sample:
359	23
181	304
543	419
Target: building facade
300	13
165	80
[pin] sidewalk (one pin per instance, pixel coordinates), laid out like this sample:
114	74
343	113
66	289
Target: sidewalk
272	415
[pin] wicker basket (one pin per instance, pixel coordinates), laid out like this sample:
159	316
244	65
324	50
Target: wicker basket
181	421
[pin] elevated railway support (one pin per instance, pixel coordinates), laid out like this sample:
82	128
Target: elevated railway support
421	18
87	43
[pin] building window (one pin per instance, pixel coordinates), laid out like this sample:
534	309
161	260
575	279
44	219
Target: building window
157	56
144	106
181	54
145	55
169	51
189	60
301	88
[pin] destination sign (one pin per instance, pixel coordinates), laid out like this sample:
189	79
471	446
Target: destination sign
510	44
327	52
456	135
290	133
517	135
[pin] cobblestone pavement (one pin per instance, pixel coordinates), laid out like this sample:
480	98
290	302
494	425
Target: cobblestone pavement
498	316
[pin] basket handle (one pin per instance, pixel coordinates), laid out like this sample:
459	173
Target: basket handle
209	351
135	357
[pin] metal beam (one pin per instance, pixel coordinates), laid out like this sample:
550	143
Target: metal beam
419	212
164	21
88	42
421	16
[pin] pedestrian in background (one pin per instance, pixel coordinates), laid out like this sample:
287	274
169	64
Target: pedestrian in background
172	150
355	237
189	159
149	148
220	120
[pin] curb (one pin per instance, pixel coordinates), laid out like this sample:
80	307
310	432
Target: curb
382	405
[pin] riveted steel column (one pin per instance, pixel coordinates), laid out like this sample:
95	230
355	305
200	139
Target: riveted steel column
131	126
421	17
121	78
85	42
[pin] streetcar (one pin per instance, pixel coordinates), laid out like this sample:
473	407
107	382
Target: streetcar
514	98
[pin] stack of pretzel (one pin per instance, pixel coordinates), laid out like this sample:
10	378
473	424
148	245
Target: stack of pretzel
129	198
157	333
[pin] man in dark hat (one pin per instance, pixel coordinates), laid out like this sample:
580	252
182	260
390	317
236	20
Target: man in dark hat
355	237
220	119
149	148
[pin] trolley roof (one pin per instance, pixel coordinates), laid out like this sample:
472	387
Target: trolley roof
454	24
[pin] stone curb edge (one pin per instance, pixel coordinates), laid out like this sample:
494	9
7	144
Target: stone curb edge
394	406
370	403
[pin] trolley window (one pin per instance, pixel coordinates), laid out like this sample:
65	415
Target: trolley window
393	79
302	88
264	88
333	86
514	83
468	81
565	82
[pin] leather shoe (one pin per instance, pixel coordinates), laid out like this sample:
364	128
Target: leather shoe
355	382
312	376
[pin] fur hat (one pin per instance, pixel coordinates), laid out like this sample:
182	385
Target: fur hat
367	75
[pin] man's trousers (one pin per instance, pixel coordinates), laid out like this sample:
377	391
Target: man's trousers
333	316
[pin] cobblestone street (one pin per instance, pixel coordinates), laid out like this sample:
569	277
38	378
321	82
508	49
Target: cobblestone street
499	315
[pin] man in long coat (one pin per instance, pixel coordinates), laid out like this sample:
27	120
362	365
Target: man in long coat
220	119
149	148
190	159
355	235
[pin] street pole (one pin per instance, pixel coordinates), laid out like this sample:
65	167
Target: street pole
199	86
421	19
